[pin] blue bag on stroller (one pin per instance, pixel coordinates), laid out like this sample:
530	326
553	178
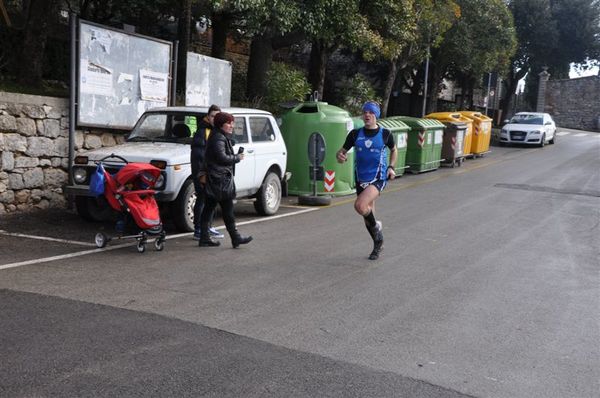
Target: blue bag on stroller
97	181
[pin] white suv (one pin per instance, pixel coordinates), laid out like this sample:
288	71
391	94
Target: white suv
157	141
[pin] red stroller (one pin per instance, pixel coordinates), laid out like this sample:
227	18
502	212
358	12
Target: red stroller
130	192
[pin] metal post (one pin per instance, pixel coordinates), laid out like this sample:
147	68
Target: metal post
487	102
174	74
315	162
72	92
425	85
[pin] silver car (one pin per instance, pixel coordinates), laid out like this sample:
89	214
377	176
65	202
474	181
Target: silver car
532	128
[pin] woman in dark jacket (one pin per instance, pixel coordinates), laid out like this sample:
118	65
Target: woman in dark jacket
220	165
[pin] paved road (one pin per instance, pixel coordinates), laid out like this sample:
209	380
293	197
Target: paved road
488	287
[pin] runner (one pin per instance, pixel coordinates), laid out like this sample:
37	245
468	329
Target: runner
372	171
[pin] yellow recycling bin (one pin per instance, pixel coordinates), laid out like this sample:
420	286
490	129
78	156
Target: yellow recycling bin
482	132
456	117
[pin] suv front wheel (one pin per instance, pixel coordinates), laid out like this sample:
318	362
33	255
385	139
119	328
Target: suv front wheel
182	209
268	197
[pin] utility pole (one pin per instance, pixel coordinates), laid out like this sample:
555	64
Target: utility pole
487	101
425	85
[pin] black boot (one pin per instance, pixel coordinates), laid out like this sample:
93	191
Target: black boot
377	235
205	240
237	239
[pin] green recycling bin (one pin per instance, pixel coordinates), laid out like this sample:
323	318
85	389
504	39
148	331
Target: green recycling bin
424	148
323	127
400	131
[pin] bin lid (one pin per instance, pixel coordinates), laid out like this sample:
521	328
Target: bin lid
449	116
476	116
417	123
393	124
456	125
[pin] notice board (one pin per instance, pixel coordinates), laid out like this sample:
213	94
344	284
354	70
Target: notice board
120	75
208	81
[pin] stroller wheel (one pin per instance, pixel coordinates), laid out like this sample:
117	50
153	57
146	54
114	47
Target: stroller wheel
159	244
141	246
101	240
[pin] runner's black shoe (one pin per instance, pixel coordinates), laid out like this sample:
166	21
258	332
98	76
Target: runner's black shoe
377	242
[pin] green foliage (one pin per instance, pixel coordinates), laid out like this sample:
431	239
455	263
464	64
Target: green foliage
284	83
355	92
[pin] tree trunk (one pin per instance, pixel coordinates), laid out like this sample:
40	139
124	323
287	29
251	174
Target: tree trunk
220	27
436	80
261	57
183	32
511	86
388	86
319	56
41	14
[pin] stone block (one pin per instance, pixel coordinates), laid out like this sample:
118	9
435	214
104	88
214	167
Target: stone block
51	128
26	162
14	109
15	143
3	187
56	162
26	126
15	181
33	178
10	207
2	209
43	204
36	195
7	197
108	139
34	111
40	126
22	196
45	163
52	112
1	142
8	123
39	146
7	161
79	140
61	147
55	178
92	141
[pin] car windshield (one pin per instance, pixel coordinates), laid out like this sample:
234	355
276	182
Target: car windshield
170	127
527	119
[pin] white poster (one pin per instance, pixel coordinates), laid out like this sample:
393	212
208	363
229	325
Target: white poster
96	79
197	95
154	86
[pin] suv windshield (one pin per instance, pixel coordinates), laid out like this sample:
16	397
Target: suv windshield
165	127
526	119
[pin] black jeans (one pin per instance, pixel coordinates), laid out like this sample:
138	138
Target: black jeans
199	206
209	209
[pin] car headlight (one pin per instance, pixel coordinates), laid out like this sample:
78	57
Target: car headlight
79	175
534	132
503	132
160	182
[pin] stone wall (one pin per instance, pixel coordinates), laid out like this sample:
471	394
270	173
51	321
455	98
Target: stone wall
34	145
574	103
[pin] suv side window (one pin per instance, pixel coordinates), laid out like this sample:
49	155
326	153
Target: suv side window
261	129
240	131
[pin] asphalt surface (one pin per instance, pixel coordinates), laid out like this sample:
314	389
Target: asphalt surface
489	286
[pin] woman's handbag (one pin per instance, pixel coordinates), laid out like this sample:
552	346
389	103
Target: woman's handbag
97	181
220	186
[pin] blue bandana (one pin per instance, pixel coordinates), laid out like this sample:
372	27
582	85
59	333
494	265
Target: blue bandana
372	107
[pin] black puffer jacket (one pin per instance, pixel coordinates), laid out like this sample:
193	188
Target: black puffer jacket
199	147
220	158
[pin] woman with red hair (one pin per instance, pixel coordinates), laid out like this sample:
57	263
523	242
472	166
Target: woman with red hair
220	188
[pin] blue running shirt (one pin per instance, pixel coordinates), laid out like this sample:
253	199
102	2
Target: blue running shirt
371	157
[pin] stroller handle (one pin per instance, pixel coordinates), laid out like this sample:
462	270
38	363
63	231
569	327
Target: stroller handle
112	155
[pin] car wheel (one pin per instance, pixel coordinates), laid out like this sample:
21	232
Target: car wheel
543	141
553	140
268	197
93	209
182	209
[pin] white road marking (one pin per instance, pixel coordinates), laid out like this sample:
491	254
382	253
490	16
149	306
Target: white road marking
563	133
71	242
109	248
580	135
